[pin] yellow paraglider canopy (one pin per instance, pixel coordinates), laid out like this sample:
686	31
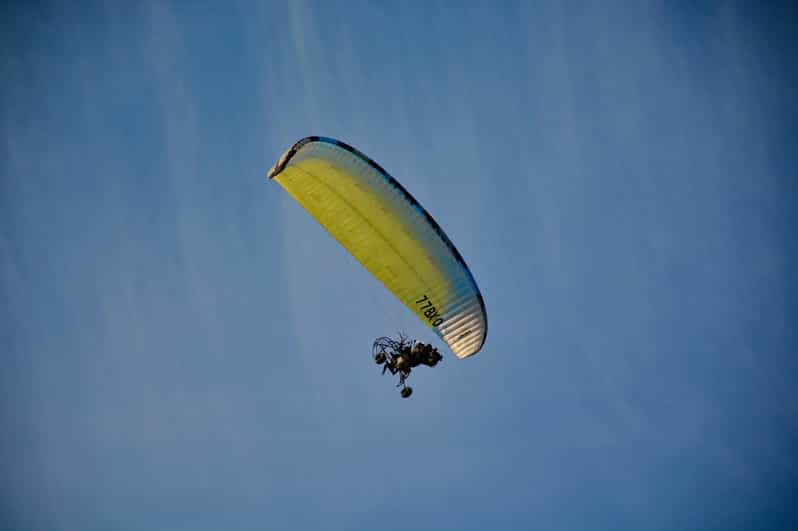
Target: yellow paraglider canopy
389	233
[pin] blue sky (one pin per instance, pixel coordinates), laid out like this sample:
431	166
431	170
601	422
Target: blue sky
184	348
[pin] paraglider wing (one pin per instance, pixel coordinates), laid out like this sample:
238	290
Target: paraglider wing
389	233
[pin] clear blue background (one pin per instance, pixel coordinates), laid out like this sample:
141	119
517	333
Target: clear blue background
183	348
